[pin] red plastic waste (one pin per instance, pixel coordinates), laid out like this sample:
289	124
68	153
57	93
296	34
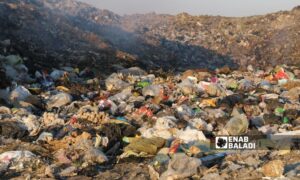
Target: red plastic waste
174	146
145	111
281	75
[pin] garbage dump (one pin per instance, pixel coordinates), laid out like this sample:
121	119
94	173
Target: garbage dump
138	125
89	94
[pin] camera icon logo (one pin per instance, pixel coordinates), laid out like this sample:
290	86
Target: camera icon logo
221	143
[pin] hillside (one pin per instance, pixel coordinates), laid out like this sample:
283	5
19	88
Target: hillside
53	32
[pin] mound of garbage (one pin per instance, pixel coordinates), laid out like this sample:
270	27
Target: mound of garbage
55	33
68	122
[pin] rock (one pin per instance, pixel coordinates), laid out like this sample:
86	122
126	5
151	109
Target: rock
59	100
273	168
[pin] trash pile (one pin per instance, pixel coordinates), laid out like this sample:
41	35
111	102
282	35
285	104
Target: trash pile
68	122
64	115
77	33
258	40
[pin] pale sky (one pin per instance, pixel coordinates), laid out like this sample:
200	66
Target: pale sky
196	7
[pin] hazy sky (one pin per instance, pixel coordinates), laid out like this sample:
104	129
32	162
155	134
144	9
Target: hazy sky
196	7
